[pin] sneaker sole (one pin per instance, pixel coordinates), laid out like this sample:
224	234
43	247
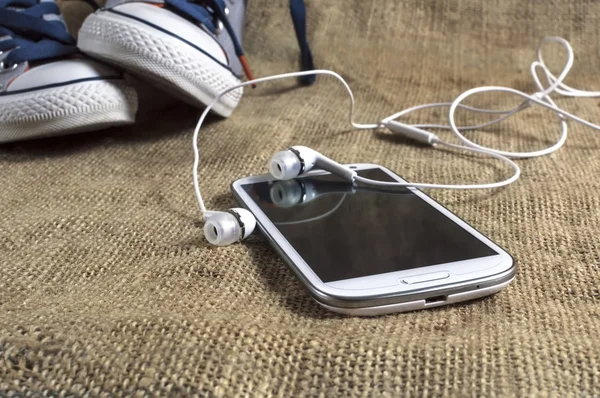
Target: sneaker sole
154	55
73	108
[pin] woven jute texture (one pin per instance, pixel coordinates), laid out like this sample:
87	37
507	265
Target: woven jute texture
107	287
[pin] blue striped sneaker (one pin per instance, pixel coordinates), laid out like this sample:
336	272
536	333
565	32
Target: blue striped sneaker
46	86
191	48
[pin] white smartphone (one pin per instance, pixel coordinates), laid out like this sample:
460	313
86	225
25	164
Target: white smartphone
370	251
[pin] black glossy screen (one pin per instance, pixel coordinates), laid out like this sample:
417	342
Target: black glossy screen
344	231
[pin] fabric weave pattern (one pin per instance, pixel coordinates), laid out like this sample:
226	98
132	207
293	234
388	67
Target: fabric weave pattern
107	287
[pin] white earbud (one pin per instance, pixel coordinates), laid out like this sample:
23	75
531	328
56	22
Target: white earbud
298	160
222	228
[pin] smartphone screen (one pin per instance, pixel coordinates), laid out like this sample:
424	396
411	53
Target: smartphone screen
346	231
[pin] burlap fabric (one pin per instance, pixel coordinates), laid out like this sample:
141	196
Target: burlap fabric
108	289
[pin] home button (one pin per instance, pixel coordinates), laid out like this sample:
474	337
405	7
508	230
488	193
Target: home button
425	278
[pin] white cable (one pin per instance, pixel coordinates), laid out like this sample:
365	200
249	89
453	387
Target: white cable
551	106
562	88
198	193
499	184
201	205
541	98
506	115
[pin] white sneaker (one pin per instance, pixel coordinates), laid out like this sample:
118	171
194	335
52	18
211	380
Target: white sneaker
180	45
46	88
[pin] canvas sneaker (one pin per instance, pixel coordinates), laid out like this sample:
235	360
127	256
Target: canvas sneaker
46	86
192	49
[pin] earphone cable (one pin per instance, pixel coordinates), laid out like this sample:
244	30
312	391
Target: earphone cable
541	98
